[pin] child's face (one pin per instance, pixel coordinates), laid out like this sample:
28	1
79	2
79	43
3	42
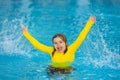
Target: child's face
59	44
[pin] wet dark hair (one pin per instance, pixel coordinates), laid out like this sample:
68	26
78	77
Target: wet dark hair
63	37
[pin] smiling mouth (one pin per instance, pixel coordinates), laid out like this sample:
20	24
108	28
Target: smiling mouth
59	48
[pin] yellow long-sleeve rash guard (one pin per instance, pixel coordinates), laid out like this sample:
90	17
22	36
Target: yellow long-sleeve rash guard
61	60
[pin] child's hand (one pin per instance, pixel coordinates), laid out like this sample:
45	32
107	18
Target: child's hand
93	18
23	27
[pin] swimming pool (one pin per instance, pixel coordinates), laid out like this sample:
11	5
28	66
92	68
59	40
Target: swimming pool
98	58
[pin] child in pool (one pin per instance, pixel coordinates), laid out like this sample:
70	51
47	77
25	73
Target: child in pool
61	54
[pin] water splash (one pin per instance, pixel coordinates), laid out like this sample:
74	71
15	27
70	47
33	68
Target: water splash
96	51
12	39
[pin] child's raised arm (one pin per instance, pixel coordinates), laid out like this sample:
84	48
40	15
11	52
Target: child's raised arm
34	42
76	44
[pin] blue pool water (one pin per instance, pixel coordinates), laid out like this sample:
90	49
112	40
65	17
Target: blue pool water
98	58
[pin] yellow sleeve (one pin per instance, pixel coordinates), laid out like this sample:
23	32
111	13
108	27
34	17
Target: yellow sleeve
76	44
37	44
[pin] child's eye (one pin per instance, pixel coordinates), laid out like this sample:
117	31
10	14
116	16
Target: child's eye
60	41
55	42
